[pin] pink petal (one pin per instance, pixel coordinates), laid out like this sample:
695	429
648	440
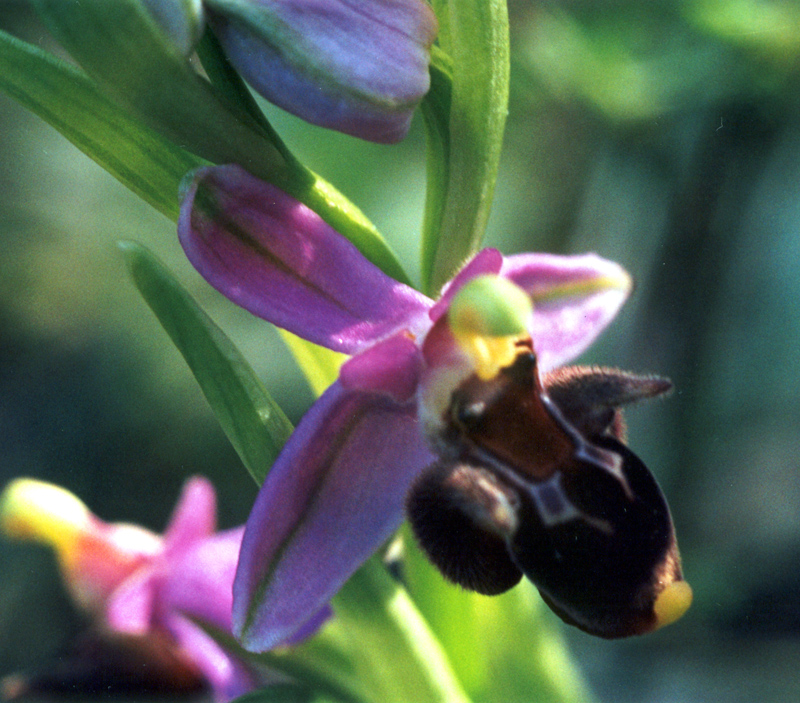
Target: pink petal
200	579
392	366
574	298
195	515
229	677
131	607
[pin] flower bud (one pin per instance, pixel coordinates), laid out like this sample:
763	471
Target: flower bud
359	67
94	556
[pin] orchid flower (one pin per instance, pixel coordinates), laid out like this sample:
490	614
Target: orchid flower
357	67
337	490
141	585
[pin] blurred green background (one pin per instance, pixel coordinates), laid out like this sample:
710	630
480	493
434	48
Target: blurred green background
662	134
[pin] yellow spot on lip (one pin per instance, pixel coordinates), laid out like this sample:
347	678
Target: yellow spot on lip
672	603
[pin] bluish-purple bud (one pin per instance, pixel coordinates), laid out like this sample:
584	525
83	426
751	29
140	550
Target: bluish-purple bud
359	67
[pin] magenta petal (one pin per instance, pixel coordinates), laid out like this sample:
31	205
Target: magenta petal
278	259
229	677
335	494
200	579
485	261
574	298
392	366
131	607
195	515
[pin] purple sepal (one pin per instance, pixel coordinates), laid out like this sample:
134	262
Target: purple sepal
278	259
332	498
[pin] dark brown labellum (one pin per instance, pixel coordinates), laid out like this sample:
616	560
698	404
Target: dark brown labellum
538	482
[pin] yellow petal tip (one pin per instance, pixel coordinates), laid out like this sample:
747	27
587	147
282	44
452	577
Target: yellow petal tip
36	510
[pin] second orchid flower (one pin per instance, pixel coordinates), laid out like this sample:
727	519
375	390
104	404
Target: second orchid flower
143	589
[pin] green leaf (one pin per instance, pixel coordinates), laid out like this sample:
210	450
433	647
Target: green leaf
231	87
121	47
476	39
395	652
284	693
377	648
505	647
253	422
436	113
320	365
66	98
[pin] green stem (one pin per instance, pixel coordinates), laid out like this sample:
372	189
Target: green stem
391	655
475	35
505	647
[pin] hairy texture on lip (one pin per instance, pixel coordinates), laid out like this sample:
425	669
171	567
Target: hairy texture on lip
461	516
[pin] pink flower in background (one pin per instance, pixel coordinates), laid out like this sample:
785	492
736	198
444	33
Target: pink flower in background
141	585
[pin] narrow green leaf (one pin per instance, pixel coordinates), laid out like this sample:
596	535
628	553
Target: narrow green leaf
320	365
231	87
66	98
394	640
443	15
505	647
122	48
377	648
284	693
436	113
253	422
477	42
